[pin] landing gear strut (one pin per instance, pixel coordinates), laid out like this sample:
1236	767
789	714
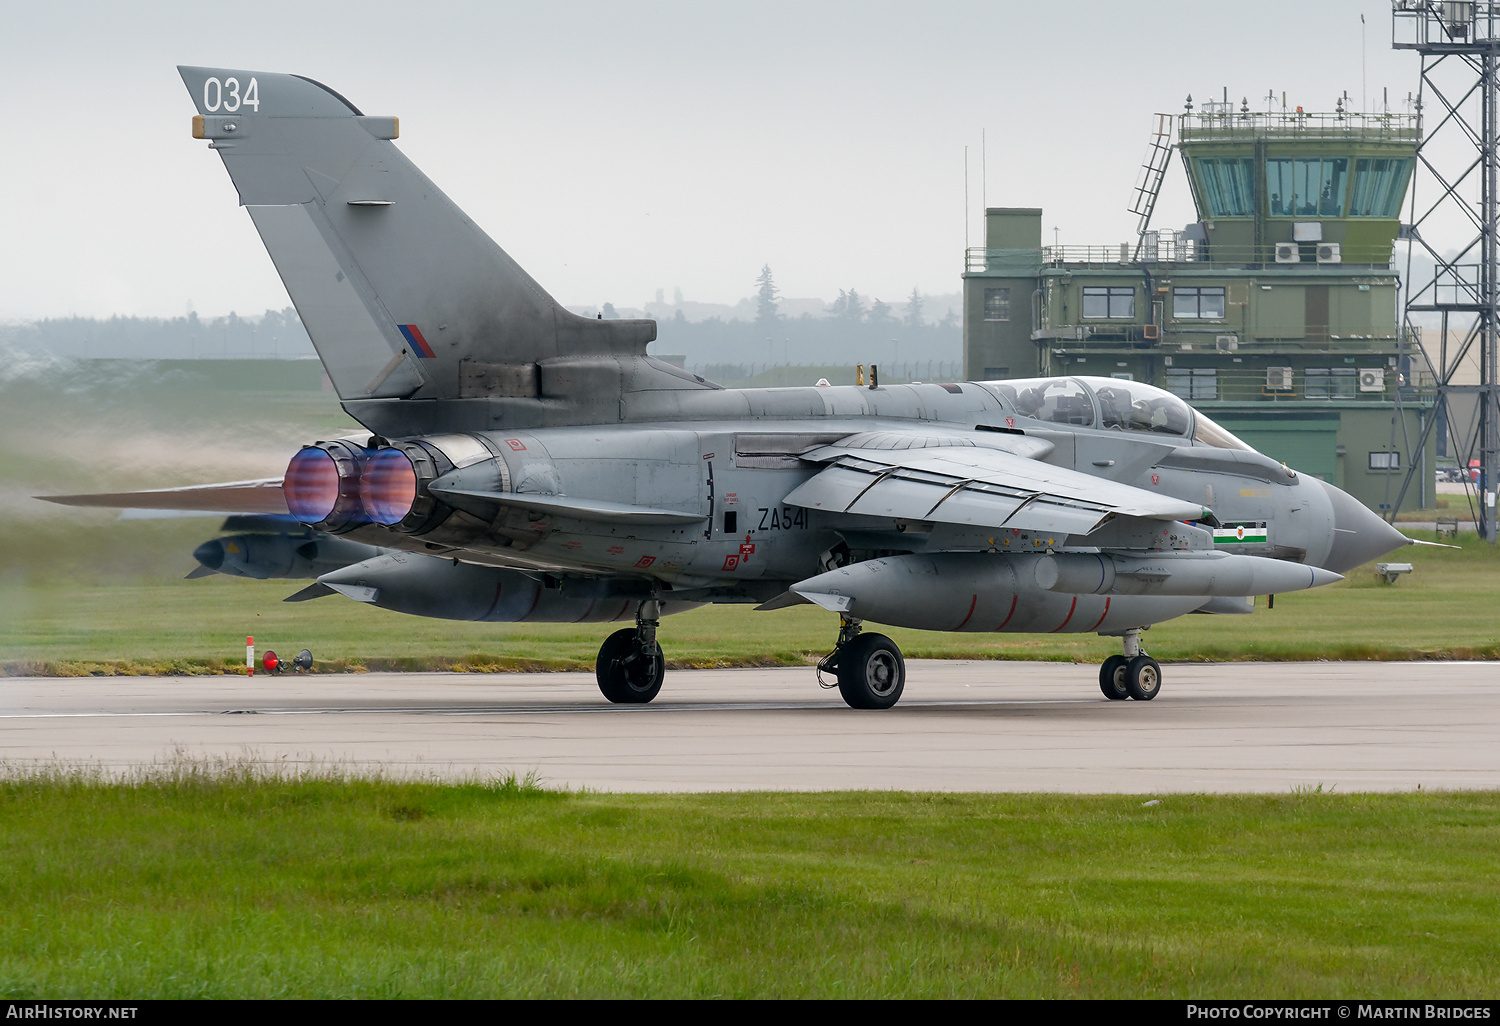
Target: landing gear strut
1132	675
871	672
630	667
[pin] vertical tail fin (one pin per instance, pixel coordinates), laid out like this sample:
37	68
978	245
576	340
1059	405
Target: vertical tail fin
401	293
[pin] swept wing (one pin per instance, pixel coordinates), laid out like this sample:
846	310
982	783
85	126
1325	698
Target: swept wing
977	486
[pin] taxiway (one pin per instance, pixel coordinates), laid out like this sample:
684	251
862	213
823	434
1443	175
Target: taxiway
961	726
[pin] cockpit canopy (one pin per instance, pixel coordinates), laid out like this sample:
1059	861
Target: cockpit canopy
1114	403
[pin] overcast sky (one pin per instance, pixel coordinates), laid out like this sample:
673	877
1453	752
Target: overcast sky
617	148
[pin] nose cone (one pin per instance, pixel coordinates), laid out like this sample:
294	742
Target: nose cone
210	554
1358	534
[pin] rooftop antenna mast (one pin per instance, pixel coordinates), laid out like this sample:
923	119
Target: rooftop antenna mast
1459	45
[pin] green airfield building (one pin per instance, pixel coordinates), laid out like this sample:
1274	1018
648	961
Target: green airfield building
1276	312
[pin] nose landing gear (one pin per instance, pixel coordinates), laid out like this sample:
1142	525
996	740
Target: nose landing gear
630	667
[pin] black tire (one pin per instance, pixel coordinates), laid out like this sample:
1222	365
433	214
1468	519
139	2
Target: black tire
872	673
1112	678
625	675
1143	678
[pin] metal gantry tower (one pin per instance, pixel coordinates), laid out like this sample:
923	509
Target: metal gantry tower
1454	198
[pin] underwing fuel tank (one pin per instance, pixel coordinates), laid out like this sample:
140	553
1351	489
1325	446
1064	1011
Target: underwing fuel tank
1063	593
449	590
281	556
1214	574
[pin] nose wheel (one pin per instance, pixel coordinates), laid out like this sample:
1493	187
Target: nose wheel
630	667
1132	675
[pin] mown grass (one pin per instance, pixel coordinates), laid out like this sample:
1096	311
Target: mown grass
206	883
88	621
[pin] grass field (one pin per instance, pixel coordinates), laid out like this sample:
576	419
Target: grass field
139	620
209	884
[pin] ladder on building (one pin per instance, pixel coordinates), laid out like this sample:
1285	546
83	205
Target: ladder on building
1153	170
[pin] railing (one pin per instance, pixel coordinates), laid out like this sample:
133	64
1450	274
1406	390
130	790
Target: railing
1350	125
1173	335
1168	248
1243	386
1444	24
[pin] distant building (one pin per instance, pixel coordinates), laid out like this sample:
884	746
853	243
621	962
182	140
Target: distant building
1276	312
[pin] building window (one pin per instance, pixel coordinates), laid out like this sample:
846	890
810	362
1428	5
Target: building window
1195	383
1379	185
1198	304
1330	382
1307	186
997	304
1113	303
1226	185
1385	461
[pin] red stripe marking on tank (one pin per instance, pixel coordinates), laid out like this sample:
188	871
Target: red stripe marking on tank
1069	616
1010	614
587	611
972	603
495	604
536	600
1101	617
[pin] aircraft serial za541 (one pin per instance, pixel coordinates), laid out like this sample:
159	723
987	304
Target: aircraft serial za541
525	463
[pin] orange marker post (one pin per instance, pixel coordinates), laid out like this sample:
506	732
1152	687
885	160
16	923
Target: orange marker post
250	656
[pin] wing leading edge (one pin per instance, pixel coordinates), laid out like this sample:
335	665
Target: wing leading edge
975	486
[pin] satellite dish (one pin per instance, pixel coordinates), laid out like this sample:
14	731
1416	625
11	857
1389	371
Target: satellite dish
303	662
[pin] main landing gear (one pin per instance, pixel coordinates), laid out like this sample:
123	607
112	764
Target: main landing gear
630	667
1132	675
871	672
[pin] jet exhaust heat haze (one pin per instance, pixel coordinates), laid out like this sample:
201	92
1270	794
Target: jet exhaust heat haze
523	463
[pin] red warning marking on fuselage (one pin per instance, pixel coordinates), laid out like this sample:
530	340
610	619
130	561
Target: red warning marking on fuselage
1069	616
1101	617
972	603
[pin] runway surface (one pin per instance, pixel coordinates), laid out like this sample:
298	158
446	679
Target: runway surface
961	726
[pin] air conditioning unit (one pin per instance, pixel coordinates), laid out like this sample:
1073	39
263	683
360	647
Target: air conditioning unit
1372	380
1278	379
1328	253
1226	343
1288	253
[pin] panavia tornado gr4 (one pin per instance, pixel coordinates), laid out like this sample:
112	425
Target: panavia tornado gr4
523	463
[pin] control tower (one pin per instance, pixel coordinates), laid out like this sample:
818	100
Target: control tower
1276	311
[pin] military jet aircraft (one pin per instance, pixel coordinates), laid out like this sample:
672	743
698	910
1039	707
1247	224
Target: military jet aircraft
521	462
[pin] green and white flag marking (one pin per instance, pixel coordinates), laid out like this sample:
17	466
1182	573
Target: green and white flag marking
1240	534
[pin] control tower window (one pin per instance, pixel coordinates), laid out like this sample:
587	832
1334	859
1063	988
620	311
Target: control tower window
1307	186
1379	186
1198	303
997	304
1113	303
1227	185
1197	383
1330	382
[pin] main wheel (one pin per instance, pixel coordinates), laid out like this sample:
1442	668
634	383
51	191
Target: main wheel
1143	678
871	672
626	675
1112	678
